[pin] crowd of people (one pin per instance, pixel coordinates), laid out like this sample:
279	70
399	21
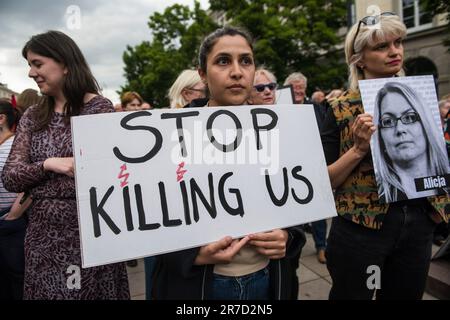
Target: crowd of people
39	230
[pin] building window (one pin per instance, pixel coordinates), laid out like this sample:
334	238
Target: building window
414	14
351	14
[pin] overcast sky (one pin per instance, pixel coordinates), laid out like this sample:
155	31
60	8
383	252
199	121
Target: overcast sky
106	28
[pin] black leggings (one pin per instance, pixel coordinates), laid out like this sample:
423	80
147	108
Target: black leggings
401	250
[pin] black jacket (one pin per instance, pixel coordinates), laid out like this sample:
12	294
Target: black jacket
196	103
177	278
320	110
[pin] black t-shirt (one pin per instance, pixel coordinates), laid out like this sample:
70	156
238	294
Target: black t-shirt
196	103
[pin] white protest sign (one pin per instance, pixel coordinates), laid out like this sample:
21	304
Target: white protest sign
284	95
408	147
145	187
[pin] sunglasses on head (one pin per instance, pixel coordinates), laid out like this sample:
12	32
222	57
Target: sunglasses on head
262	87
369	21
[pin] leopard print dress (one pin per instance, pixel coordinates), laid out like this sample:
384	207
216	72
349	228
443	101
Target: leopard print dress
52	243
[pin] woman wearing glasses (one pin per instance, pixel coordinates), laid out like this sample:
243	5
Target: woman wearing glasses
407	144
264	87
372	245
186	88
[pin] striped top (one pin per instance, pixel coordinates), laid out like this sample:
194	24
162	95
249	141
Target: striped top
6	198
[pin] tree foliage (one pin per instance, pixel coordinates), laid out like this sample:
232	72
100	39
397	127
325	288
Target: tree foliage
294	36
152	66
300	35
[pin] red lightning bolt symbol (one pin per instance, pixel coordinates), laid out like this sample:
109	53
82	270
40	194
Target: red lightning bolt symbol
123	175
180	172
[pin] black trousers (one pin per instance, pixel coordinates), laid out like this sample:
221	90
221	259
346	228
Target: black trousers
12	260
401	251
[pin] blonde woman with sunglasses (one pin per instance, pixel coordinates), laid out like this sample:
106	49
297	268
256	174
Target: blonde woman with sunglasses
264	88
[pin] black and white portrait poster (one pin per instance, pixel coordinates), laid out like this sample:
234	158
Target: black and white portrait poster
408	147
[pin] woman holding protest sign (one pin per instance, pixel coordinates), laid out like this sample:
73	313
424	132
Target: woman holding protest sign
256	266
41	164
372	245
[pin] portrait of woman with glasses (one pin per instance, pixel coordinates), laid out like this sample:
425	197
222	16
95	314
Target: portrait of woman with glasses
407	144
375	248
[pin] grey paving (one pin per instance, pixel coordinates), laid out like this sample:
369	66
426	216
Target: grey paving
314	279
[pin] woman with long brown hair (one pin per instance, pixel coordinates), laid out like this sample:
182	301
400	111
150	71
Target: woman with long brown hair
41	164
